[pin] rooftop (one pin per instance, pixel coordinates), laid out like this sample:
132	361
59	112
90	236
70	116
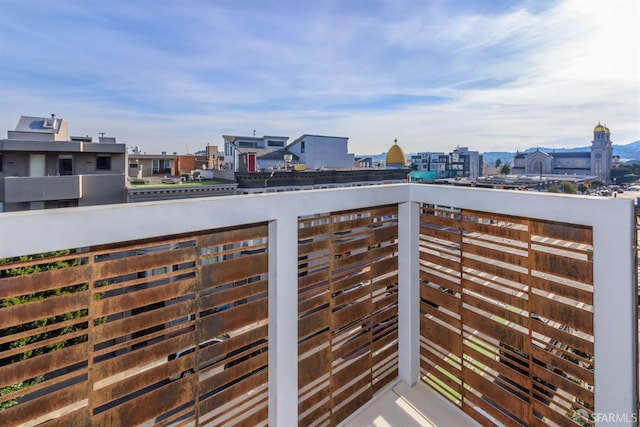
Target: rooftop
397	304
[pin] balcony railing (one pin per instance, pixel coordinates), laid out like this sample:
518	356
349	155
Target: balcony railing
517	308
41	188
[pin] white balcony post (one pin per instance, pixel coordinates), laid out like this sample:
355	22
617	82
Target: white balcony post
283	320
615	318
408	293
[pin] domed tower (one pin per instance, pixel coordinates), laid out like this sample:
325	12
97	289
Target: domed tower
601	153
396	158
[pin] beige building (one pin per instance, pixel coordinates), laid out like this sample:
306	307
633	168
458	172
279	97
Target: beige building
42	168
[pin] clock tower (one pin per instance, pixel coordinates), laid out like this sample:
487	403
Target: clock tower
601	153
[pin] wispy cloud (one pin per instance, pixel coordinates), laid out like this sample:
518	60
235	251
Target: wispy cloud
489	75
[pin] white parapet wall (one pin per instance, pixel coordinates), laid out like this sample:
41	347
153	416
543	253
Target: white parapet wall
614	257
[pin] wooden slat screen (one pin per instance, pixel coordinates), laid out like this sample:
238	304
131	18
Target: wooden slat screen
506	316
347	311
171	330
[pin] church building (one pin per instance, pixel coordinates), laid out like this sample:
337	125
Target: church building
597	162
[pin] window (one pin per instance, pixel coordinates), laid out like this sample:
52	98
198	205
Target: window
65	164
247	144
0	164
275	143
161	166
103	162
302	146
133	165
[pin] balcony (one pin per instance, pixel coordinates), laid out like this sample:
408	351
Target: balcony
406	303
41	188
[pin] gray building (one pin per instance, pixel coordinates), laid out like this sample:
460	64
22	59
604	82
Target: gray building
597	162
42	168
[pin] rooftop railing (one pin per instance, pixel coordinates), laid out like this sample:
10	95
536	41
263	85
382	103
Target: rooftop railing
517	308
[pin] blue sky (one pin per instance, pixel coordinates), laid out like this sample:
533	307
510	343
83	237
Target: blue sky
175	76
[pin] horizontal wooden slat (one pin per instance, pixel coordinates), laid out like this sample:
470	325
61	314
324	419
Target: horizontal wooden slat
565	290
565	314
495	231
496	255
507	296
504	272
574	269
557	230
495	309
499	395
494	329
448	234
441	336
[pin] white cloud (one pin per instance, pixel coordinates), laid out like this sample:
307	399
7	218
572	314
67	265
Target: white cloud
186	75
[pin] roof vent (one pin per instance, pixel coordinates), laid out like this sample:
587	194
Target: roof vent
50	123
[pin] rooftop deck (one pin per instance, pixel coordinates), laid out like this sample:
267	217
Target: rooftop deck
398	304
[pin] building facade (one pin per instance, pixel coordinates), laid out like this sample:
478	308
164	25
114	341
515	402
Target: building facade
42	168
597	162
460	163
236	146
437	163
319	151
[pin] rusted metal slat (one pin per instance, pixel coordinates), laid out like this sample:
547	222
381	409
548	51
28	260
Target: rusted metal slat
497	270
562	231
574	269
494	309
442	261
440	298
441	336
495	231
507	296
43	281
494	254
41	309
42	364
134	264
235	317
510	402
234	270
565	314
494	329
143	297
447	234
46	404
228	236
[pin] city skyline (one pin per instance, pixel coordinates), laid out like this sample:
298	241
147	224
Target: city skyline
494	76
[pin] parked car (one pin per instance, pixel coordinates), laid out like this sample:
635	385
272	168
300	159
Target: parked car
190	350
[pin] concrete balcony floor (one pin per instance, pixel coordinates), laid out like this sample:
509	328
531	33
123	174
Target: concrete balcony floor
407	406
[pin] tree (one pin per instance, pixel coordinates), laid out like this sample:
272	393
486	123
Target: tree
565	187
505	169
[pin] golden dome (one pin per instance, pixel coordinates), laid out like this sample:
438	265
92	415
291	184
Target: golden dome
600	128
395	155
606	130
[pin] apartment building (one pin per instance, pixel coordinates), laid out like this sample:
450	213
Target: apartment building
41	167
